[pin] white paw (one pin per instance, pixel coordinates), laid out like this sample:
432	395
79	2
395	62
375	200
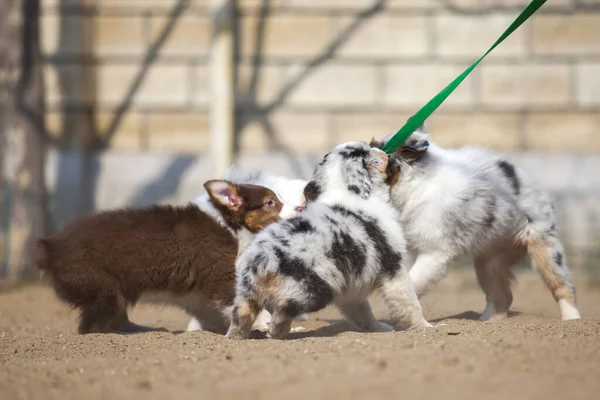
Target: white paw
298	329
262	321
489	312
194	325
567	311
493	317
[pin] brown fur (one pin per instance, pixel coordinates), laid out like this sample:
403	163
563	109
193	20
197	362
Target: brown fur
102	263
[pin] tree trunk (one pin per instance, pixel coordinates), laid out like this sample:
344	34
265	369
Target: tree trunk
23	197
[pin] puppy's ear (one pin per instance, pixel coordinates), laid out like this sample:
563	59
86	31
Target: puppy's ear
356	176
311	191
392	172
375	143
224	193
416	145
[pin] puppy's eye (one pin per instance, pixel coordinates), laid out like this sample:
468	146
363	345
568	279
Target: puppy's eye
270	203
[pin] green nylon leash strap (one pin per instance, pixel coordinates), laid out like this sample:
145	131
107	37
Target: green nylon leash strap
419	118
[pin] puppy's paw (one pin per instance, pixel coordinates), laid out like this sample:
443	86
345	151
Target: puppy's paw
262	321
490	314
414	325
383	327
235	335
263	327
493	317
298	329
278	335
194	325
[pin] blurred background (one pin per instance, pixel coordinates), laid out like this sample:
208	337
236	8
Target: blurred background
111	103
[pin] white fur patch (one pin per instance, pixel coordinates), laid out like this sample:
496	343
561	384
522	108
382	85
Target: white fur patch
567	311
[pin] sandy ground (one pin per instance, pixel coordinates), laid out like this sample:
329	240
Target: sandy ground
532	355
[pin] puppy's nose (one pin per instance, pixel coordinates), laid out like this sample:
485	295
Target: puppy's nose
425	143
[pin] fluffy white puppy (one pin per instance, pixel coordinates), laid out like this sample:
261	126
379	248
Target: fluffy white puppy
472	203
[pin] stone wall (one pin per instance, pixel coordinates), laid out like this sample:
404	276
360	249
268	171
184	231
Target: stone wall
131	77
312	73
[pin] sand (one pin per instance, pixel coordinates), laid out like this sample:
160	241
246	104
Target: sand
531	355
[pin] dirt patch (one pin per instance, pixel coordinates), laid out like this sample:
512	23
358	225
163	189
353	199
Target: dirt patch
530	355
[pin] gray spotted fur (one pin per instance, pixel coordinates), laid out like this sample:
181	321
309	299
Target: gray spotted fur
342	247
470	203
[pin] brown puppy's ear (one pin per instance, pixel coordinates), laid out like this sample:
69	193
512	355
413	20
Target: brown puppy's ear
224	193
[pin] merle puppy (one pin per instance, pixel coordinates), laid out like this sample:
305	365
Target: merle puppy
472	203
343	246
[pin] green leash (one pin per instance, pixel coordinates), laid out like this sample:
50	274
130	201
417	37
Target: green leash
419	118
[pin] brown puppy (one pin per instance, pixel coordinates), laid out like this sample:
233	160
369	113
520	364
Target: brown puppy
102	263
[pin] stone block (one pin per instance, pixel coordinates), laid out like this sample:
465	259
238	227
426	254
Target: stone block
529	86
287	35
366	125
297	132
334	85
486	5
567	34
469	36
564	132
411	86
141	5
163	86
344	5
268	84
180	131
492	130
246	6
413	4
126	134
201	88
119	35
190	35
588	84
385	36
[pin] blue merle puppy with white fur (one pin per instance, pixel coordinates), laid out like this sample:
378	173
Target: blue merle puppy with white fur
470	203
343	246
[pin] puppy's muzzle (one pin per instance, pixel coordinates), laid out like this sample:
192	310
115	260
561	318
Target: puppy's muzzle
380	161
